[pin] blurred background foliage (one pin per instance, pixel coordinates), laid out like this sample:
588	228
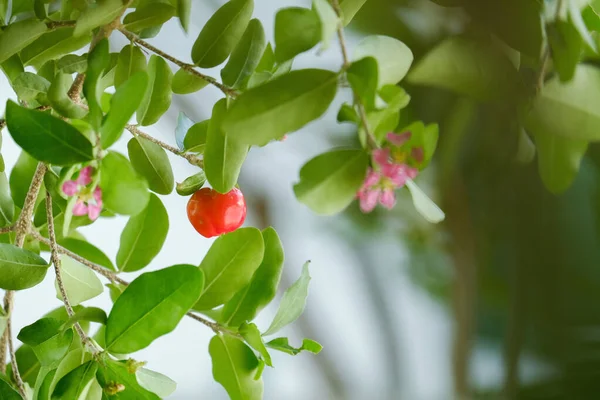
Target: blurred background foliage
517	265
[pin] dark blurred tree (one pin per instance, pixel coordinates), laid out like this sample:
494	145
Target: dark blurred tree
515	87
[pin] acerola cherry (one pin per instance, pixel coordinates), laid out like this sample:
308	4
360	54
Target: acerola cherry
212	213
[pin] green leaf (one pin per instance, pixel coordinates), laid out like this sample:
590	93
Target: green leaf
386	120
424	205
73	359
579	24
18	35
95	15
297	30
363	78
143	236
329	182
123	104
566	48
183	125
152	306
329	21
229	265
98	61
7	392
76	383
151	161
31	87
184	11
88	251
223	155
123	191
12	67
234	366
7	206
245	56
155	382
349	9
251	335
248	302
559	159
282	344
525	148
47	138
195	138
81	283
131	61
191	184
72	63
516	22
469	67
148	16
347	113
157	98
393	57
47	339
48	70
52	45
19	268
568	110
292	303
221	33
281	106
90	314
267	60
185	82
112	373
59	99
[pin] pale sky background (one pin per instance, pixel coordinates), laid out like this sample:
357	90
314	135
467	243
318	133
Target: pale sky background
339	309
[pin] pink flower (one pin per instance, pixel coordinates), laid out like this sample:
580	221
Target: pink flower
87	203
379	186
381	156
398	139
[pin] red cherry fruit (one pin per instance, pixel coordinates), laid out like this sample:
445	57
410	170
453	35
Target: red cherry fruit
212	213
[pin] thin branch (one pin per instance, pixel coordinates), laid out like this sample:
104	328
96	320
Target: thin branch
346	63
212	325
108	274
22	228
74	92
115	279
57	269
7	229
60	24
191	158
187	67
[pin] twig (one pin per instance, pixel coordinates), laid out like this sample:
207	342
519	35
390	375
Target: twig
212	325
74	92
187	67
7	229
192	158
346	63
114	278
22	228
108	274
60	24
57	267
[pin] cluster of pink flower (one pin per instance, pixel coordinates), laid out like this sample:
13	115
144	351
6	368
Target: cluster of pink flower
88	202
389	172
